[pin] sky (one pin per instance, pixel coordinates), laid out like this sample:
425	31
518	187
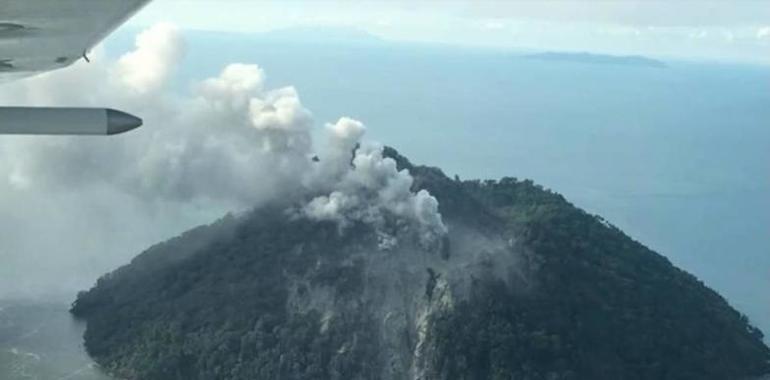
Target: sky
736	31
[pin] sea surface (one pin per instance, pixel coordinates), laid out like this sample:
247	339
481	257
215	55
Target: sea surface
677	157
40	341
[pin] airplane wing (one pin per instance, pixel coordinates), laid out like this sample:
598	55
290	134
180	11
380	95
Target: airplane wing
44	35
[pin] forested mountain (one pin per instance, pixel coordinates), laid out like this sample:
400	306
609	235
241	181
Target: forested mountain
523	286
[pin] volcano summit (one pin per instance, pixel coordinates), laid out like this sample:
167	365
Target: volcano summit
418	276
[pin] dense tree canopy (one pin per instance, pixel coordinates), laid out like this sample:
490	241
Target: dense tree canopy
214	302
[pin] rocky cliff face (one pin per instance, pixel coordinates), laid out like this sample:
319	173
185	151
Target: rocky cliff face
515	284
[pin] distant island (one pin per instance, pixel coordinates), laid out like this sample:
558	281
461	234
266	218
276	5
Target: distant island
604	59
523	285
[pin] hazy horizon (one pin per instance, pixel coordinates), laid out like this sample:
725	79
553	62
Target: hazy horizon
690	30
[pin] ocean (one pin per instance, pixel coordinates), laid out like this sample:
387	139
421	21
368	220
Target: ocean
40	341
677	157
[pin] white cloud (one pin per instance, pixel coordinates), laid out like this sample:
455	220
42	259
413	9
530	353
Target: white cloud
763	33
729	36
494	25
147	68
233	87
375	192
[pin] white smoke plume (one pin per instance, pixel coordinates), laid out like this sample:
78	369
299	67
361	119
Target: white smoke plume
148	67
372	191
72	208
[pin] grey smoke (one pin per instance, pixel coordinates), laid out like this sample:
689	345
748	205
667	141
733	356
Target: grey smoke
370	191
73	208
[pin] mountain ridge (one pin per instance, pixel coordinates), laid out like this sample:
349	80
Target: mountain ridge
524	285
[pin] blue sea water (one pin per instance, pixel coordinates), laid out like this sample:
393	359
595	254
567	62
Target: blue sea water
677	157
40	341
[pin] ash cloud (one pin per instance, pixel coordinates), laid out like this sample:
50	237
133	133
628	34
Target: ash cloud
375	192
75	207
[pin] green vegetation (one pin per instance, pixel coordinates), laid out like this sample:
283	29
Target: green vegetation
214	303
